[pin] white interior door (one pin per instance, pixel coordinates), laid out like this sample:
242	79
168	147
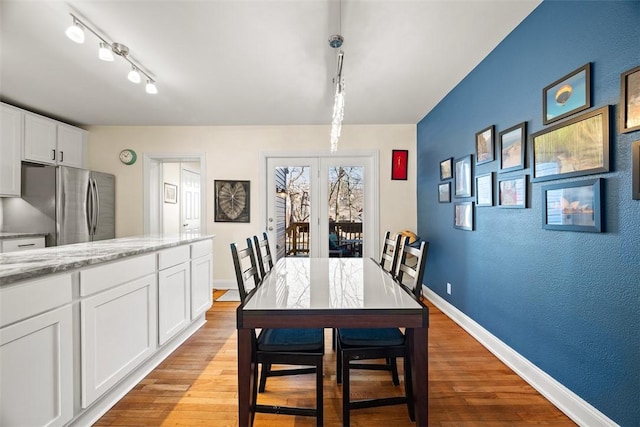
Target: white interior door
190	212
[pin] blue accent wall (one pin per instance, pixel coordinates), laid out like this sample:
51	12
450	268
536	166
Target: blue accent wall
567	301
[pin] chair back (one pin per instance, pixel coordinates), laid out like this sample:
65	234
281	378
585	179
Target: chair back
411	266
247	275
263	254
390	251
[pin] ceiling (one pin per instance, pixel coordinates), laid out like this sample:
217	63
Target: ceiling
246	62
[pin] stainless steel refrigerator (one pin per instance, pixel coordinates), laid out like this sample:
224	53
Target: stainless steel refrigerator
71	205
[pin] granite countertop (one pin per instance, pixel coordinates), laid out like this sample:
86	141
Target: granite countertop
15	266
7	235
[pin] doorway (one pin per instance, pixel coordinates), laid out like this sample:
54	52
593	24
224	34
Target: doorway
321	205
188	173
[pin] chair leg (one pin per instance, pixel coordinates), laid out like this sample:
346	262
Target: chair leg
346	398
393	364
339	361
266	369
319	394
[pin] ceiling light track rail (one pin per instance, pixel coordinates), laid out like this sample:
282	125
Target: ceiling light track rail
106	50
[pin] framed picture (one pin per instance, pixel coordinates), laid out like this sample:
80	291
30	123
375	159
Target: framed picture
463	177
444	192
630	100
567	96
170	193
484	145
635	156
484	189
578	146
399	164
463	215
231	201
446	169
512	147
573	206
512	192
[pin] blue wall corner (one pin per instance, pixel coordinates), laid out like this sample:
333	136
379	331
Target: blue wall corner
567	301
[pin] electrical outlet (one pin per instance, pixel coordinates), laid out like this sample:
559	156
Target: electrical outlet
449	288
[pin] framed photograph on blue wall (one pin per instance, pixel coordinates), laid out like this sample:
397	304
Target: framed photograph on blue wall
512	147
635	155
575	206
444	192
463	216
463	177
630	100
484	145
567	95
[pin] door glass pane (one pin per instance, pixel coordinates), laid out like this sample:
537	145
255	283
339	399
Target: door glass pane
346	203
293	188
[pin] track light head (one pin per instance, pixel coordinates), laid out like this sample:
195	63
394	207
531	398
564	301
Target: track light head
105	53
134	75
151	87
75	32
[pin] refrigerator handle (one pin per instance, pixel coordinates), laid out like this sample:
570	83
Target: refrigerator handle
96	206
89	207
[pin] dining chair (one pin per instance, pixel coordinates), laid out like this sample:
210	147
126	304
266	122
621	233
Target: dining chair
356	344
280	346
263	254
390	252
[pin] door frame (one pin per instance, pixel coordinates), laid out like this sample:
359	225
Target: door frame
372	193
151	187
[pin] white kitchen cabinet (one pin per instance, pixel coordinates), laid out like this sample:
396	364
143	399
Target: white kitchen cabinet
174	292
21	244
118	325
36	353
51	142
10	150
201	278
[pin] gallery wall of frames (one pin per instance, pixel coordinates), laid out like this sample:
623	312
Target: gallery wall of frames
574	143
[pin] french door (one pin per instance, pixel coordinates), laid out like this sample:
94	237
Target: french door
322	205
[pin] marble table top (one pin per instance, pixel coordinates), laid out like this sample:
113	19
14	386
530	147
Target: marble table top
15	266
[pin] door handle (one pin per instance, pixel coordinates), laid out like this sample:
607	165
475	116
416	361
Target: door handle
184	225
270	228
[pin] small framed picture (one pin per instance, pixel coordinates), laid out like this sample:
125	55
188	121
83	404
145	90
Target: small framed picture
567	95
463	176
635	156
512	192
446	169
630	100
484	145
444	192
512	147
575	206
399	164
574	147
484	189
231	201
463	216
170	193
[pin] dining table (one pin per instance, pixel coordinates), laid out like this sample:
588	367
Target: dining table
330	293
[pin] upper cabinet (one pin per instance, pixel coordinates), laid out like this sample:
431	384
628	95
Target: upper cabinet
51	142
10	149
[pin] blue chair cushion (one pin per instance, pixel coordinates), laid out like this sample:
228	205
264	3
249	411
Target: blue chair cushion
291	339
370	337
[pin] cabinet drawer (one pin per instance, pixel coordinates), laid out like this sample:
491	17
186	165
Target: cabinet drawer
105	276
174	256
202	248
12	245
32	297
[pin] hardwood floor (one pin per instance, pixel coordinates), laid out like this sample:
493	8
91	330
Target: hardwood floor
197	386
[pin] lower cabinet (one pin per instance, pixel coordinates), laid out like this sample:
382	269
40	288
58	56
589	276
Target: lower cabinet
201	278
174	298
117	333
36	366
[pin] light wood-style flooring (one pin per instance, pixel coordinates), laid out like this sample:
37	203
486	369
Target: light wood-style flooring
197	386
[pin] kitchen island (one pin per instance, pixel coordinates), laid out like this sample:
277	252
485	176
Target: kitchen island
82	324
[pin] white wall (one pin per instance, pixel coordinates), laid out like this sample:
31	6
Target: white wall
232	152
171	211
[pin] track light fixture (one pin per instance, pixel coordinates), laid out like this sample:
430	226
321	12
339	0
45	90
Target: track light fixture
335	41
106	50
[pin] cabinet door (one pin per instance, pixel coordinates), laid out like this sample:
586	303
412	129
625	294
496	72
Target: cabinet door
39	139
117	333
71	146
201	276
36	363
174	301
10	150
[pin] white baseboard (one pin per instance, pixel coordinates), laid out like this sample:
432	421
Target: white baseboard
576	408
225	284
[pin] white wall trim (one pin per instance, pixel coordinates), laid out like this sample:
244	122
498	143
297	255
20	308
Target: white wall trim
576	408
